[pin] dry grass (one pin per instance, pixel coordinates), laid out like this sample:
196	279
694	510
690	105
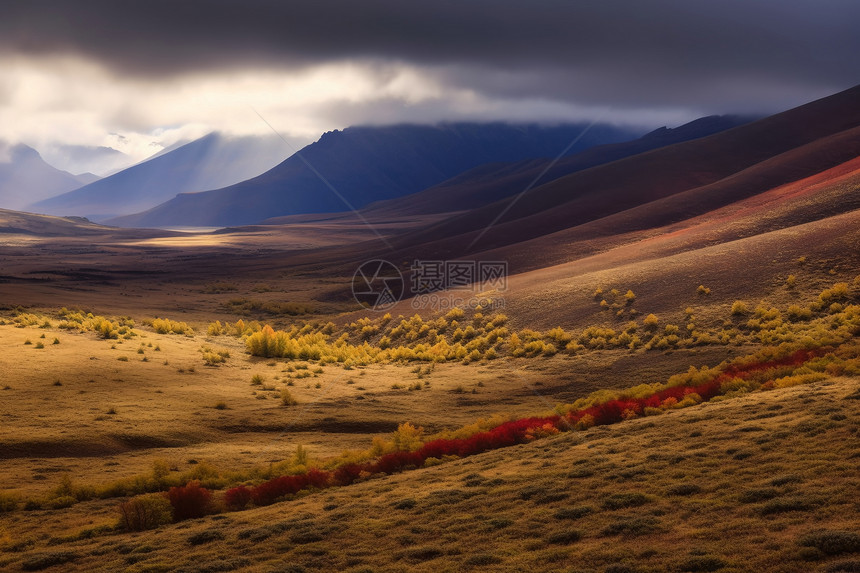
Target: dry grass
617	496
109	419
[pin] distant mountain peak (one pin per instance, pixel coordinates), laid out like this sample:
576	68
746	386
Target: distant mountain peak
25	176
210	162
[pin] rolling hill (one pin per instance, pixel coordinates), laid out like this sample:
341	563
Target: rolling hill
211	161
15	225
367	164
649	494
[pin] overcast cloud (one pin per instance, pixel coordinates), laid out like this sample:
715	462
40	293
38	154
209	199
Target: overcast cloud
159	71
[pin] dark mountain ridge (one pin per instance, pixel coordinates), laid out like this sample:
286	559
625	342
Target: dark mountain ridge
359	165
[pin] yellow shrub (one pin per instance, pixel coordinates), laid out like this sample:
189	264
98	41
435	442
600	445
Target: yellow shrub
650	323
167	326
739	307
797	379
407	438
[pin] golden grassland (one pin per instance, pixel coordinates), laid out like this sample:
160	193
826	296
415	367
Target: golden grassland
130	405
105	409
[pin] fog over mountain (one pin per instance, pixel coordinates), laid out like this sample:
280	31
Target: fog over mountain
210	162
100	160
139	76
25	177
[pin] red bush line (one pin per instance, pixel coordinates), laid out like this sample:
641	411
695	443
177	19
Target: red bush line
268	492
613	411
507	434
796	358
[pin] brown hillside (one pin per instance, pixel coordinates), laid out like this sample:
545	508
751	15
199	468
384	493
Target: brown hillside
782	148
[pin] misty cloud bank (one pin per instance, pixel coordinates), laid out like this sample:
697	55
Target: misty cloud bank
164	71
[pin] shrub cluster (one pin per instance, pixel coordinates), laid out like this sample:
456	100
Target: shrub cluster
239	328
145	512
270	491
832	319
252	307
167	326
406	450
214	357
122	328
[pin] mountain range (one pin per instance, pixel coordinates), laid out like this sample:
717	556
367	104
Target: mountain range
492	182
25	177
400	169
658	187
719	195
359	165
779	179
499	190
101	160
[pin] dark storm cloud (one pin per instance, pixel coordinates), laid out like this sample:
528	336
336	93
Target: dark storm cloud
670	51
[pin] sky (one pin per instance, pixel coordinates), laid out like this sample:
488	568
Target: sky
139	76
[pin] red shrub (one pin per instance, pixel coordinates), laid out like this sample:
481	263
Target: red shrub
480	442
190	501
441	448
796	358
267	492
397	462
317	478
348	473
609	413
709	390
270	491
264	494
237	498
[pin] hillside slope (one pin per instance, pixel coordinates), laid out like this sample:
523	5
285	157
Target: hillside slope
366	164
488	183
752	203
773	472
714	171
826	194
